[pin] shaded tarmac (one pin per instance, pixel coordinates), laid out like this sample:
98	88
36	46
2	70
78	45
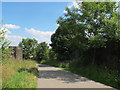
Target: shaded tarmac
51	77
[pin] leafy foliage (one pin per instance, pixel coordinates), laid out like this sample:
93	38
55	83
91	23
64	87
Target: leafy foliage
19	73
42	51
34	50
4	43
84	30
29	47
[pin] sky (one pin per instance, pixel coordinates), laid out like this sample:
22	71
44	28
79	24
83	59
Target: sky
31	19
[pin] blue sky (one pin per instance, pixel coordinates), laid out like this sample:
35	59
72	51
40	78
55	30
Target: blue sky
31	19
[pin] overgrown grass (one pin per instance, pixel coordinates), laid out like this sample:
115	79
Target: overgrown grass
19	73
97	74
92	72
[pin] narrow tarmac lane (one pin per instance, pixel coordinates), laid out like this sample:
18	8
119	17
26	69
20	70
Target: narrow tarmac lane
51	77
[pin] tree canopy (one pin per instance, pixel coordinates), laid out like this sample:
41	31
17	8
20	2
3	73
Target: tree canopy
29	47
82	31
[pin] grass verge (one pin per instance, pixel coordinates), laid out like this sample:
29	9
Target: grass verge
97	74
19	73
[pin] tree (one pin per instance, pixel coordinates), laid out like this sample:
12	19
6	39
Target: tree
4	43
70	37
85	29
29	48
42	51
101	19
52	55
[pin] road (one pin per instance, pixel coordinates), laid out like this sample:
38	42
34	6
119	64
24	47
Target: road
52	77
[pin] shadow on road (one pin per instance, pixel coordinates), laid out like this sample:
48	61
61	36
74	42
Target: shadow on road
62	75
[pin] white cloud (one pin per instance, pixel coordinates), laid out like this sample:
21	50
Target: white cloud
74	4
14	40
57	25
65	11
10	26
7	31
41	36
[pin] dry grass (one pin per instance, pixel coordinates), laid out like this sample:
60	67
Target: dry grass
19	73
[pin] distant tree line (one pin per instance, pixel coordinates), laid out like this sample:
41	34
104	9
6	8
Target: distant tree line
34	50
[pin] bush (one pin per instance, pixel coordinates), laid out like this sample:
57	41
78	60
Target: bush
4	43
43	62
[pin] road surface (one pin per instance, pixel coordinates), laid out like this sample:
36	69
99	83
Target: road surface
51	77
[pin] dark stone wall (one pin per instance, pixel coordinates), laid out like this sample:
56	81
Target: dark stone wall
16	52
19	53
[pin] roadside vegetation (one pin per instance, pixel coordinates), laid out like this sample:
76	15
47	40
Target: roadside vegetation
16	73
19	73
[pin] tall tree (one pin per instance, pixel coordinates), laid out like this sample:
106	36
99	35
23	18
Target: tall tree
29	47
42	51
89	26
